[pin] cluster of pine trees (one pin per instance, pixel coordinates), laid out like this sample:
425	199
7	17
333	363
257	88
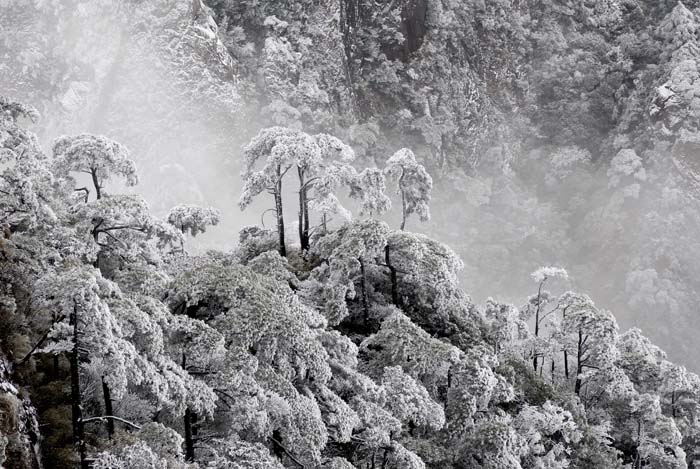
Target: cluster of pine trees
351	346
564	131
554	124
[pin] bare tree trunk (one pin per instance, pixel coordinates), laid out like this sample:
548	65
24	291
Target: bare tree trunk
673	404
385	459
363	288
403	210
638	458
303	211
76	402
108	408
56	362
189	440
306	221
403	201
537	324
552	370
280	214
566	354
96	183
579	367
393	276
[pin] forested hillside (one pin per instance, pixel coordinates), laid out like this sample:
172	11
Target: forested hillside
269	234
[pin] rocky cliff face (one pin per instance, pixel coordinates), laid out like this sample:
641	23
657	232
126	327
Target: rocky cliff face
19	428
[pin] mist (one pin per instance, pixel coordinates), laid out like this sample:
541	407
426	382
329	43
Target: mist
179	93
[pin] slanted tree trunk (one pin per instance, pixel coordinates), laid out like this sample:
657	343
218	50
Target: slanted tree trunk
280	215
108	407
96	183
76	402
392	276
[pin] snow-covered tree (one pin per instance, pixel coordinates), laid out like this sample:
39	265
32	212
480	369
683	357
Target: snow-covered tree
537	303
400	342
322	166
348	254
409	401
589	336
369	186
99	157
193	219
414	184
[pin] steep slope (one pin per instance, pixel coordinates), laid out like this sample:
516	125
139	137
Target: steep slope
525	112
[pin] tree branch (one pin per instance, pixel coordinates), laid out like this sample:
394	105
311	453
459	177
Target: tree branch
120	227
85	189
308	182
111	417
286	451
41	341
262	217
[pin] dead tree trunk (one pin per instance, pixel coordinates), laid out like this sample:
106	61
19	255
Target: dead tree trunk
76	402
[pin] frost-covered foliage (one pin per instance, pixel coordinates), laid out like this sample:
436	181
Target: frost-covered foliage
193	219
544	273
359	347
